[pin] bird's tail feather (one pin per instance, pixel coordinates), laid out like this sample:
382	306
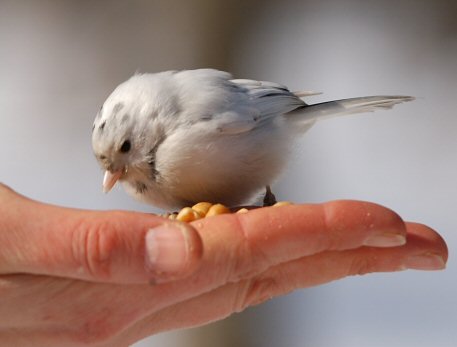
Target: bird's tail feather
311	113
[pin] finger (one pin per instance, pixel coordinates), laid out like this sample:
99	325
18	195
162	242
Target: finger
242	246
116	246
423	243
425	250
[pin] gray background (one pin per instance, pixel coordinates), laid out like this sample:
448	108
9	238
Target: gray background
60	59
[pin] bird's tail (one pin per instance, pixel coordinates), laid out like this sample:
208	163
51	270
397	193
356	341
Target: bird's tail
310	113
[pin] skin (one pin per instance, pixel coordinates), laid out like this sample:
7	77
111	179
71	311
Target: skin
72	277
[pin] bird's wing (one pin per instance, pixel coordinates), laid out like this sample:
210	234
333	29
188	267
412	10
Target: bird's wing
233	106
270	99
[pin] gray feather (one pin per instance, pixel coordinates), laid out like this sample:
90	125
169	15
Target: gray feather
270	99
343	107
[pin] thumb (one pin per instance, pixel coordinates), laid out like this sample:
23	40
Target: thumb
111	246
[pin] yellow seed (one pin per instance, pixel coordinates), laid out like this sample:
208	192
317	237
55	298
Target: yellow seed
172	215
242	210
202	207
282	203
216	210
187	214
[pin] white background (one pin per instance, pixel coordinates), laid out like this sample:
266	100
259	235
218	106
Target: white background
60	59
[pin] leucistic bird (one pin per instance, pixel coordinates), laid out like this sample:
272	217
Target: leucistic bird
175	138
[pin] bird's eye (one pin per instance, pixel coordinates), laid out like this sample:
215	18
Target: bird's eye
125	146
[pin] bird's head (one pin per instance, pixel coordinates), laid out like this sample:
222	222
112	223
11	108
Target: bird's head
123	132
113	142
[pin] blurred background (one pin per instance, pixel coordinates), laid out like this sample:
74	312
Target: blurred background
60	59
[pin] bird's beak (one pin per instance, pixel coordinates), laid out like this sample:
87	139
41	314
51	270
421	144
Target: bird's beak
110	179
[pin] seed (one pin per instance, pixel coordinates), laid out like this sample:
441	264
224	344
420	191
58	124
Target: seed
172	216
202	207
187	214
242	210
216	210
283	203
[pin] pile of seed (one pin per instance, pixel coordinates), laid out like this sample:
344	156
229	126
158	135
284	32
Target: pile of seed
207	209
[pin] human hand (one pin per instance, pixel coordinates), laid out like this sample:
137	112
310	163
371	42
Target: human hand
72	277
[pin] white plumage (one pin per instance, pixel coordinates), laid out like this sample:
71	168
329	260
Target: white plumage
179	137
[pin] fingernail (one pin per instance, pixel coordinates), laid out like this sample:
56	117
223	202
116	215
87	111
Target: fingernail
426	261
166	249
385	239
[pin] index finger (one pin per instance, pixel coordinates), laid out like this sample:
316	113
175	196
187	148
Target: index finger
238	246
268	236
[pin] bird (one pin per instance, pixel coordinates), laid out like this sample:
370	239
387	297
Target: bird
175	138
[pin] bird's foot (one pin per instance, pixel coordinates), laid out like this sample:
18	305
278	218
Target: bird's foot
270	198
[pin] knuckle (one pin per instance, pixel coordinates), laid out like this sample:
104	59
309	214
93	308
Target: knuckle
242	264
93	245
333	232
248	260
95	330
361	265
256	291
194	247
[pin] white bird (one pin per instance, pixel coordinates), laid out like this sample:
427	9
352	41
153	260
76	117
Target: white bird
175	138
